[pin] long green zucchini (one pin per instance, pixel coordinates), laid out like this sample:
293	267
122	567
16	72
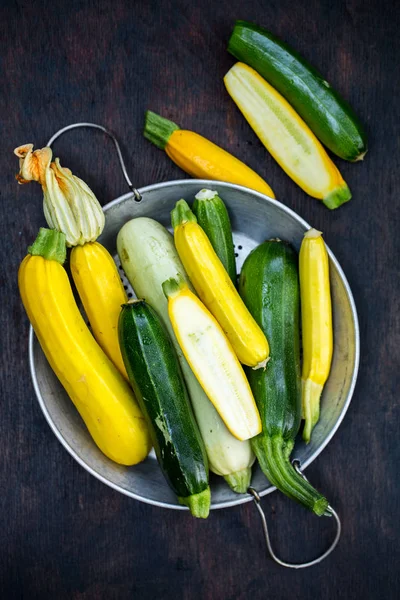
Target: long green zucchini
213	218
156	378
269	286
331	119
149	258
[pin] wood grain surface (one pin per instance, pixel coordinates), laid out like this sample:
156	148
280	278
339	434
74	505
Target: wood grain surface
65	535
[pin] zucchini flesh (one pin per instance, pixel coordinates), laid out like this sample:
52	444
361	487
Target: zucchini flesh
286	136
331	119
269	286
156	378
212	359
96	278
149	257
213	218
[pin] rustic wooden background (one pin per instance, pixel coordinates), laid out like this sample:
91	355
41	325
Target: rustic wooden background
64	535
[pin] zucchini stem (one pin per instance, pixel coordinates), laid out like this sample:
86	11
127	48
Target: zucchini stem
274	462
338	197
198	504
205	194
310	406
239	482
50	244
158	130
313	234
182	214
172	286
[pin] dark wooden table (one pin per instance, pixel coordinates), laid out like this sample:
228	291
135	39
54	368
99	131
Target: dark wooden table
65	535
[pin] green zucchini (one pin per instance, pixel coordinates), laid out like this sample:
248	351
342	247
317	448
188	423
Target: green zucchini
269	286
331	119
156	378
148	257
212	216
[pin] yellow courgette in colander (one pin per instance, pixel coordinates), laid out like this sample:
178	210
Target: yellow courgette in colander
212	359
317	330
215	288
286	136
99	287
71	207
101	395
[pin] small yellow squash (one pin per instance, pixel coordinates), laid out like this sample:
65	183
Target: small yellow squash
71	207
101	395
215	288
317	330
199	157
99	287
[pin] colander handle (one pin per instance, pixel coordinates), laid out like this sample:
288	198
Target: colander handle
60	132
329	513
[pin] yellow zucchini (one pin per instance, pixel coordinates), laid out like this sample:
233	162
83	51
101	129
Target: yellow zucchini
212	359
101	395
199	157
215	288
71	207
317	330
99	287
286	136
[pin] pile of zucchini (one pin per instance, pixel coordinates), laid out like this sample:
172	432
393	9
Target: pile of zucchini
203	366
291	108
214	371
193	330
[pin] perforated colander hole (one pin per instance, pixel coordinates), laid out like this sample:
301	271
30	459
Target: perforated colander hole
243	246
124	280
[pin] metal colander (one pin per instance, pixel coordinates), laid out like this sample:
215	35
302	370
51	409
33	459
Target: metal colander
254	218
